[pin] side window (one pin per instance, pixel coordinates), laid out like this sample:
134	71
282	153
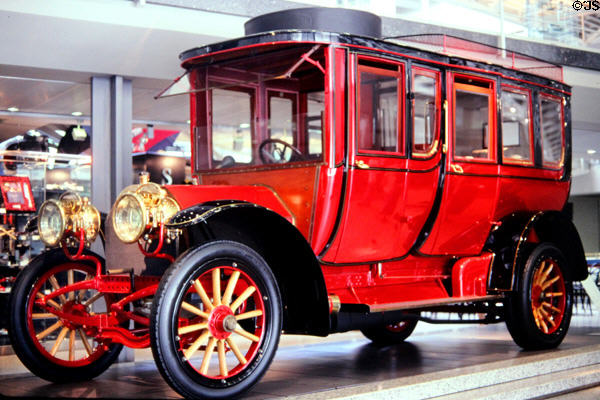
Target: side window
425	106
517	144
314	122
282	116
232	126
552	131
473	117
379	115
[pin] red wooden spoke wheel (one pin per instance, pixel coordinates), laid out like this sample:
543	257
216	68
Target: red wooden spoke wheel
54	347
548	296
212	317
216	320
60	340
538	313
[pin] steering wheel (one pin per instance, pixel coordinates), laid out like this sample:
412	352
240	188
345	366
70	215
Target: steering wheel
275	151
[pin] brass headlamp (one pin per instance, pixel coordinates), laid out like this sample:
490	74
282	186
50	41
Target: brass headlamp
67	215
140	208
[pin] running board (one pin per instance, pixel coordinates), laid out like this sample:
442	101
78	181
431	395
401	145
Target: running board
410	305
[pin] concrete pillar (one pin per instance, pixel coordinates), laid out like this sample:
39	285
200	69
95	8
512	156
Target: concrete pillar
111	139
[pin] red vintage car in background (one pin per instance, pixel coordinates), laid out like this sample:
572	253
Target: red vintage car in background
342	182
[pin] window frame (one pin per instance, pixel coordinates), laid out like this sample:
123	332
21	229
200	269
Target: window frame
293	97
561	162
436	74
529	94
252	91
492	116
399	74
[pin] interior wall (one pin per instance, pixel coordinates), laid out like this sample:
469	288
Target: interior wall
586	216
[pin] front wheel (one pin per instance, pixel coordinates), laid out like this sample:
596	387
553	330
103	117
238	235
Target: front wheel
53	348
216	321
539	313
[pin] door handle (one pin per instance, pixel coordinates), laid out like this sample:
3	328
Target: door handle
457	169
361	164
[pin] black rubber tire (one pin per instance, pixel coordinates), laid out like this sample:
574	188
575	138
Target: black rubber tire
167	301
383	335
520	320
23	344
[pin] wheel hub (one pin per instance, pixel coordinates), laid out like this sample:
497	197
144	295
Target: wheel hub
536	296
221	322
74	308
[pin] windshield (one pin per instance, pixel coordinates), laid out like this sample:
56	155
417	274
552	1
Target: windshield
259	110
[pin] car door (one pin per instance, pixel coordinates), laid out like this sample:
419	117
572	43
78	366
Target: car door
470	188
388	194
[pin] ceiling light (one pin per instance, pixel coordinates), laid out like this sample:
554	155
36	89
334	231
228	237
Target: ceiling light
513	110
77	113
34	133
188	121
60	132
591	151
13	109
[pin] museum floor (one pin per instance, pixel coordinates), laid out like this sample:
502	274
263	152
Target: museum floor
438	361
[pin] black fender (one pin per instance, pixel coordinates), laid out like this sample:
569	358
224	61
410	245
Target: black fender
514	237
290	257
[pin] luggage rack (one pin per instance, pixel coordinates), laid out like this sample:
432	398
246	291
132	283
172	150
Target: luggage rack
455	46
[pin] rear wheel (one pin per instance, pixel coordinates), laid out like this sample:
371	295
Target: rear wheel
216	321
392	333
54	348
539	313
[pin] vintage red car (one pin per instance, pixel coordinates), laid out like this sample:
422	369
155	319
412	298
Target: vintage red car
342	182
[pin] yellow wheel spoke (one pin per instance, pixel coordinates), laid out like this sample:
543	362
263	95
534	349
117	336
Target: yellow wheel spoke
59	340
194	310
537	278
48	330
249	314
43	315
51	302
85	342
230	287
70	280
210	347
192	328
550	306
56	287
82	291
236	351
549	283
247	293
203	296
92	299
553	294
240	331
196	345
72	345
222	360
216	281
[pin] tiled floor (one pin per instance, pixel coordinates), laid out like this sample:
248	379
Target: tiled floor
314	365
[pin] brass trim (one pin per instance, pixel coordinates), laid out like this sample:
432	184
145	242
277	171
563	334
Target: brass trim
280	200
361	164
430	153
334	304
457	169
445	146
